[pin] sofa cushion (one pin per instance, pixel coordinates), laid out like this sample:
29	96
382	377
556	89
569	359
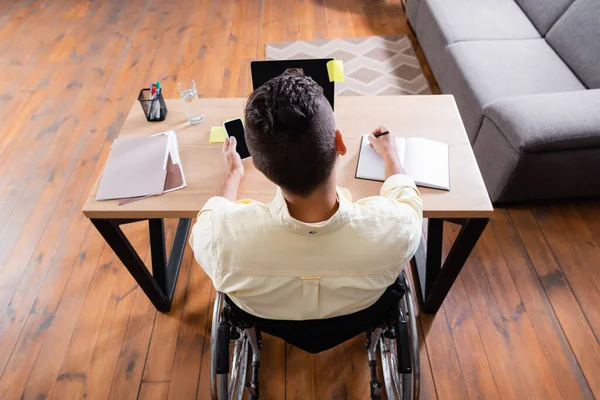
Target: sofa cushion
576	38
548	122
544	13
442	22
461	20
480	72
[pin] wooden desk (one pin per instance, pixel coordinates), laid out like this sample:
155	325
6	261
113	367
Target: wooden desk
434	117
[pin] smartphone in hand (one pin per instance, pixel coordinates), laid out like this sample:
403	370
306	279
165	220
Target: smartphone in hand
235	128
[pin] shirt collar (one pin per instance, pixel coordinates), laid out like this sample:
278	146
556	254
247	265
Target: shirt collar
281	215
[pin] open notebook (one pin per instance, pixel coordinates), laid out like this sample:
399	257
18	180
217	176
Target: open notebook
424	160
140	167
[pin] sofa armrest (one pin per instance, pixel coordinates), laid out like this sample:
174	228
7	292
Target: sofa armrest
548	122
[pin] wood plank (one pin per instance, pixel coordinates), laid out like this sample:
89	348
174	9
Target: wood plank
300	379
277	31
362	17
557	351
47	259
355	373
590	213
154	391
339	20
578	256
216	66
445	366
109	127
58	333
506	371
15	375
128	374
107	348
474	365
44	210
582	340
134	350
249	43
331	376
272	368
46	253
264	29
188	34
18	71
515	315
204	379
391	19
161	353
193	338
170	42
56	137
316	20
291	23
29	47
36	271
231	75
67	379
428	390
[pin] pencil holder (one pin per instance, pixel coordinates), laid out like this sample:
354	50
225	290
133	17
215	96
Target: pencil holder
154	107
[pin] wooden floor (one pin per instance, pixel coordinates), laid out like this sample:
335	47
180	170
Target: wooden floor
522	321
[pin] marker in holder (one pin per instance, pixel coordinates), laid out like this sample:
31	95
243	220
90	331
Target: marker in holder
154	106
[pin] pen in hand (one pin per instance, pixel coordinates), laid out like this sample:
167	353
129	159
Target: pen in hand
381	134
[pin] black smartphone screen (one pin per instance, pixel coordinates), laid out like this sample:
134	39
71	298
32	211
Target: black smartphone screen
235	128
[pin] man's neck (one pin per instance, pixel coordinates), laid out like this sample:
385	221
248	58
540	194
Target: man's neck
319	206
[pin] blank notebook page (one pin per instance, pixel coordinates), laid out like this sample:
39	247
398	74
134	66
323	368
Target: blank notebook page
370	164
427	162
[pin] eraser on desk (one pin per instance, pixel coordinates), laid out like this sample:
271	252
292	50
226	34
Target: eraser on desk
217	134
335	69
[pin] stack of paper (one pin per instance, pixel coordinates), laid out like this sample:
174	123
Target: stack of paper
140	167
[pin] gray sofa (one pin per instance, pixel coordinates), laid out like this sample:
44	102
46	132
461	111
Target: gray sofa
526	78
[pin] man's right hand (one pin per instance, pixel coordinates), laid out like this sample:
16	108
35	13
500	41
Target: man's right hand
233	161
385	146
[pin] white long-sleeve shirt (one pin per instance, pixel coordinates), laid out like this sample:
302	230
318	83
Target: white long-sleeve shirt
274	266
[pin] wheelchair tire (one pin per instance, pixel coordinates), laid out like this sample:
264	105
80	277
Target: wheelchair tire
402	386
228	386
231	386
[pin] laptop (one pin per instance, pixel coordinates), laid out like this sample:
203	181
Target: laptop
263	71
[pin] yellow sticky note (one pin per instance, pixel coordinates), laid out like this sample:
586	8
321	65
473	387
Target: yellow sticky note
217	134
335	69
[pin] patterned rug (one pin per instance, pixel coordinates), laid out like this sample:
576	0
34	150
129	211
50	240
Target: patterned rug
375	65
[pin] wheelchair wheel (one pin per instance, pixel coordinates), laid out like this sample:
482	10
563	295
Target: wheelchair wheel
229	384
402	385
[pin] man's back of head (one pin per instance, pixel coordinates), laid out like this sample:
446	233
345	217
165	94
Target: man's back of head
291	133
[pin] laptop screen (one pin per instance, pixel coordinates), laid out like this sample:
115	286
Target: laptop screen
263	71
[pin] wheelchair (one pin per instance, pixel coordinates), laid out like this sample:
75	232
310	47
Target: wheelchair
236	340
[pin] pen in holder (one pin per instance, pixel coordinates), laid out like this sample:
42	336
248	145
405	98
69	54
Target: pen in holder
153	105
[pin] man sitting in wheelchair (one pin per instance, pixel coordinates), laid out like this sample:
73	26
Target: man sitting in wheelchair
312	257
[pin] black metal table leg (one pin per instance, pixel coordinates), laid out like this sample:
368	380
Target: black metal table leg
159	286
436	278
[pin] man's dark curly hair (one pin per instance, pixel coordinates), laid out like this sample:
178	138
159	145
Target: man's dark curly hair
290	132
